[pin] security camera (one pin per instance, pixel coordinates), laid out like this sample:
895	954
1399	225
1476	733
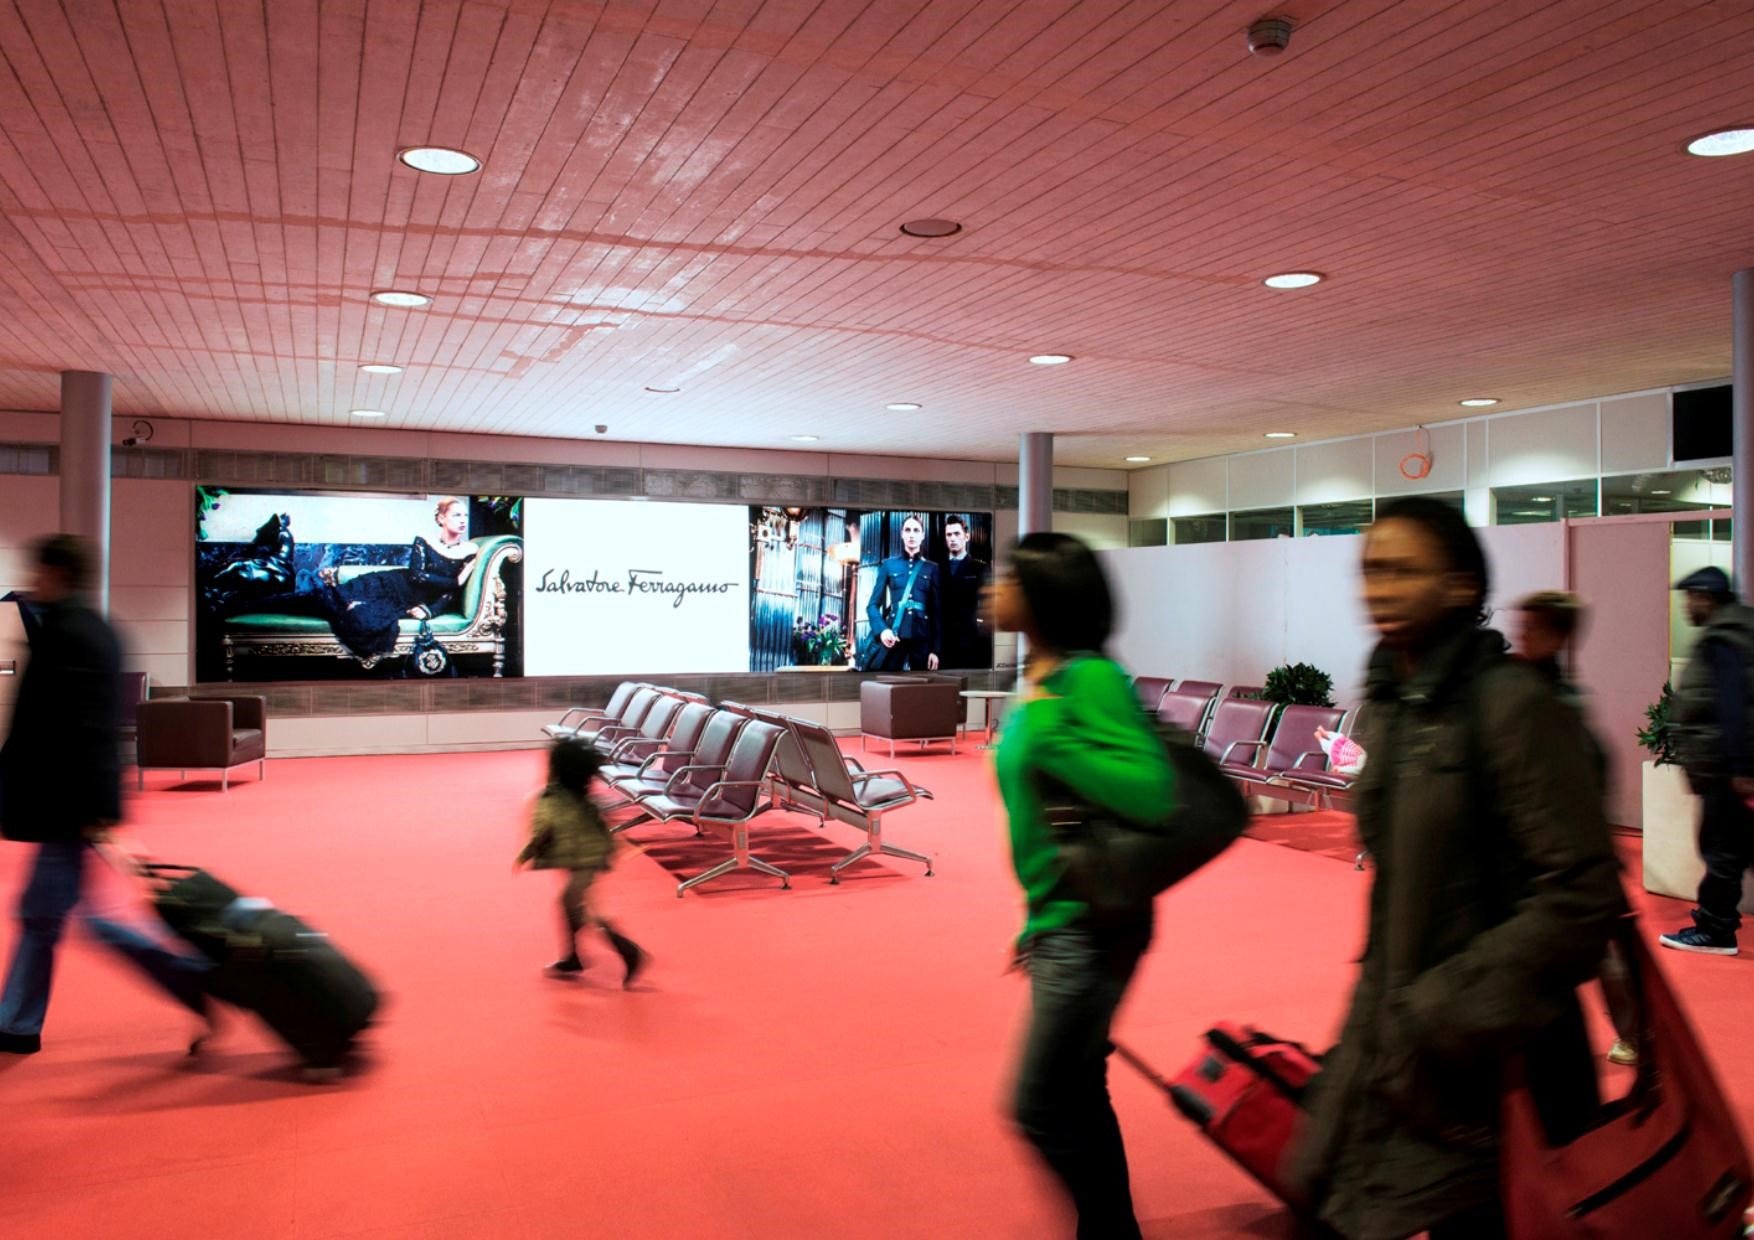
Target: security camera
602	429
1270	36
133	441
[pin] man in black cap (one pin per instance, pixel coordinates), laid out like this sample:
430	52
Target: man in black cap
1712	735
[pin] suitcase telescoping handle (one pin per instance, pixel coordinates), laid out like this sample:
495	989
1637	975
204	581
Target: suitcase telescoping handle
1142	1068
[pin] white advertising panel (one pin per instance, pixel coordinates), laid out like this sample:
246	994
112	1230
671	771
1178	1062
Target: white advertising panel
613	587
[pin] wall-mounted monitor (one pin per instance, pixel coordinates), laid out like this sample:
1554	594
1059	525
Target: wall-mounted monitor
1702	424
310	585
881	591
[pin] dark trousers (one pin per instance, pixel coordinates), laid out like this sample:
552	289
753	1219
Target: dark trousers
1481	1223
1726	842
56	884
1076	979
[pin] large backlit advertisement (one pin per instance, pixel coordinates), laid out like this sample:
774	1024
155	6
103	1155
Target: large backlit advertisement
303	585
877	591
619	588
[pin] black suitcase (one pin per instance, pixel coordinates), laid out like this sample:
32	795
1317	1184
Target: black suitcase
268	962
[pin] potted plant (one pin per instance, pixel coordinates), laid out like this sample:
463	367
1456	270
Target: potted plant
819	643
1671	855
1298	684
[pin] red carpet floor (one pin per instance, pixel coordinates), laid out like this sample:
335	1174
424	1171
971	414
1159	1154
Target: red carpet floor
825	1060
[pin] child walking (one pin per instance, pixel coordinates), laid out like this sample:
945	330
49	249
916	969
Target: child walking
567	832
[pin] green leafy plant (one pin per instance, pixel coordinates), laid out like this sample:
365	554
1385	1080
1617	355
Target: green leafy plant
1298	684
1658	734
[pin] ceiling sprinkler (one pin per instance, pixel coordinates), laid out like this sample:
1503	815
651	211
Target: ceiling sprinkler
1270	36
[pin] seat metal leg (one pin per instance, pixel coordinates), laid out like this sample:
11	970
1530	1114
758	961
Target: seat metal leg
706	876
140	777
890	850
261	769
639	819
858	854
225	780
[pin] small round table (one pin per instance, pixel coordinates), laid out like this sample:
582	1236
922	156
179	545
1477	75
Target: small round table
990	697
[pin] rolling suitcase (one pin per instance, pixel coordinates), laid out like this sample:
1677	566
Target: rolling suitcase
267	962
1245	1092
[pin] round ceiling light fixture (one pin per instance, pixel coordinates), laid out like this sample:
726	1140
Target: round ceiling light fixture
401	298
903	406
1137	460
368	413
1721	142
1478	402
442	160
380	368
1280	435
931	228
1050	359
663	391
1294	279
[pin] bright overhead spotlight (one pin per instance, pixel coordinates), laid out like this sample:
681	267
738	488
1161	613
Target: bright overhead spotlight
803	439
1293	279
1478	402
1137	460
380	368
1662	492
1051	359
903	406
402	298
1540	499
1722	142
369	413
439	159
1280	435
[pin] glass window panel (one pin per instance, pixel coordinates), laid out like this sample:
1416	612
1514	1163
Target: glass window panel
1148	532
1351	517
1545	501
1677	491
1262	523
1200	529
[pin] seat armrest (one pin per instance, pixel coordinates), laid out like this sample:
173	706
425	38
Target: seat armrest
717	791
1321	758
859	777
249	710
640	747
679	772
1257	746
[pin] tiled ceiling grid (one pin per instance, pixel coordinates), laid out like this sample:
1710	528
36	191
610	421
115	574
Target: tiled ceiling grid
199	195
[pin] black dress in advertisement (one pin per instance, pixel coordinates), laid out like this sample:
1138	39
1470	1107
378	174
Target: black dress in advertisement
366	611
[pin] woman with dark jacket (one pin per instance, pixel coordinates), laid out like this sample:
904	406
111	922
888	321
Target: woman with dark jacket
1495	891
1079	728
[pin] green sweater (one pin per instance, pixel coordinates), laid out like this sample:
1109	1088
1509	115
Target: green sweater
1090	734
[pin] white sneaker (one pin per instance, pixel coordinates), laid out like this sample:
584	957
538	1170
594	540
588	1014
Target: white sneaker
1623	1053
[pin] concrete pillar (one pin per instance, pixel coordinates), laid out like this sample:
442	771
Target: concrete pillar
1742	423
1035	483
1035	500
85	470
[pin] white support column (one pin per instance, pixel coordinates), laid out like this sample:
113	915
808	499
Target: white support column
1742	424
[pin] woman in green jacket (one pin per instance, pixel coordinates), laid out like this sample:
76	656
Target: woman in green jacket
1080	729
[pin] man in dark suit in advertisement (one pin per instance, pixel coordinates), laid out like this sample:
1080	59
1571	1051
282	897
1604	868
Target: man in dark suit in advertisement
966	640
904	608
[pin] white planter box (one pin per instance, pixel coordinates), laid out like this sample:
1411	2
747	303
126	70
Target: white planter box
1671	837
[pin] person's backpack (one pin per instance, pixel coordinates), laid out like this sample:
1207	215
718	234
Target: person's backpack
1118	866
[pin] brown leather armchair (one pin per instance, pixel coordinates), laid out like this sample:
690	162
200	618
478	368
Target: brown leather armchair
210	733
912	708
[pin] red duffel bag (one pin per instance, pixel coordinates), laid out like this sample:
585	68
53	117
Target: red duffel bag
1665	1161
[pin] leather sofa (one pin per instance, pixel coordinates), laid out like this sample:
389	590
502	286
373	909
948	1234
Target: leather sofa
208	733
922	709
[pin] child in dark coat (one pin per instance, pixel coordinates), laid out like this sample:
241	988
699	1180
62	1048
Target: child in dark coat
567	832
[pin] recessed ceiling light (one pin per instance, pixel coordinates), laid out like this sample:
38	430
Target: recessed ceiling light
904	406
1478	402
663	391
440	159
639	499
1280	435
369	413
1293	279
1137	460
1722	142
1541	499
931	228
398	297
803	439
1662	492
1051	359
381	368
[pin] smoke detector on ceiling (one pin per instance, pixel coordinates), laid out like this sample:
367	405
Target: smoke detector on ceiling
1270	36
